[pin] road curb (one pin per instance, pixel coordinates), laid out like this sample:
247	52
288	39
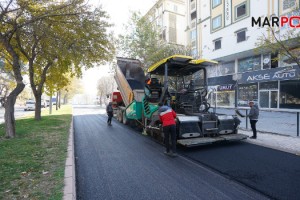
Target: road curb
70	178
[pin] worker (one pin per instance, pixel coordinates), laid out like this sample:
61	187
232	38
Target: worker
167	117
109	111
253	116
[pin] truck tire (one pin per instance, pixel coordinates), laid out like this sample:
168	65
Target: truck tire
125	120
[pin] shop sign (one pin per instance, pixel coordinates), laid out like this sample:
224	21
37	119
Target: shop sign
227	9
288	73
225	87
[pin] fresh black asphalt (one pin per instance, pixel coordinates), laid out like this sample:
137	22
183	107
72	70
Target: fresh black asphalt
119	163
273	173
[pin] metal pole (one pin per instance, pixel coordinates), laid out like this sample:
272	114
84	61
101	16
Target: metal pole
297	123
246	119
166	81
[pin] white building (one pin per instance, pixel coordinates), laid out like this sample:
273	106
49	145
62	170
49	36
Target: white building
169	17
222	30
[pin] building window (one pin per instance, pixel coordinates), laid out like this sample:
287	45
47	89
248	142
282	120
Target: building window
287	4
289	95
246	93
175	8
194	53
266	60
249	64
193	15
217	44
193	35
217	22
240	10
241	36
215	3
227	68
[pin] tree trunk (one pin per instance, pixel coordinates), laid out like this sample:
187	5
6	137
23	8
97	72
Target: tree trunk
59	95
38	105
9	114
50	104
56	103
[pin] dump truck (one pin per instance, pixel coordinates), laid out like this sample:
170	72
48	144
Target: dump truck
166	83
130	79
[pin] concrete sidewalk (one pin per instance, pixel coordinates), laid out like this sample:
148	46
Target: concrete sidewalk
284	143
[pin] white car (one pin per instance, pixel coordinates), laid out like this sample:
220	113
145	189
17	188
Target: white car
30	105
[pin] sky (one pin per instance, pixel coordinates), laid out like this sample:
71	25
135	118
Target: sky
119	12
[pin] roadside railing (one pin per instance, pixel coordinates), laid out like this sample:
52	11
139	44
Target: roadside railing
285	122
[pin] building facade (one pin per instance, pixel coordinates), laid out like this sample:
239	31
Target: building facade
169	17
222	30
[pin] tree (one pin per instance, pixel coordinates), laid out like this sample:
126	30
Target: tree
142	40
284	40
76	36
73	88
38	33
105	86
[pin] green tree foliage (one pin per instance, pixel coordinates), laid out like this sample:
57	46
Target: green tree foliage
284	40
143	41
44	34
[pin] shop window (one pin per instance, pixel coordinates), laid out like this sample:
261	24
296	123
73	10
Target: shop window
217	22
246	93
249	64
225	95
241	36
289	94
241	10
217	44
215	3
269	85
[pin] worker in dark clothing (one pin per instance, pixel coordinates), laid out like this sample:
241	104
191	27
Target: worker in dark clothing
253	116
109	111
167	117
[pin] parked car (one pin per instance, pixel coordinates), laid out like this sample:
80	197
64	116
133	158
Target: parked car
30	105
47	103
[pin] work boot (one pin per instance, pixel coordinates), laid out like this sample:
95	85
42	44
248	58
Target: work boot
252	137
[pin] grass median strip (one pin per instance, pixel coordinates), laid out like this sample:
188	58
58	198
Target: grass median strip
32	164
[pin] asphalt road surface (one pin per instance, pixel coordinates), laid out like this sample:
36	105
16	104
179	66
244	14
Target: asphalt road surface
273	173
116	162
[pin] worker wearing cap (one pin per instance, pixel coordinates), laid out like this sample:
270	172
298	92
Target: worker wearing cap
253	116
167	117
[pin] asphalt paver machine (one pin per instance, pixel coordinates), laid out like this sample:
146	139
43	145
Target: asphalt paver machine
181	83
